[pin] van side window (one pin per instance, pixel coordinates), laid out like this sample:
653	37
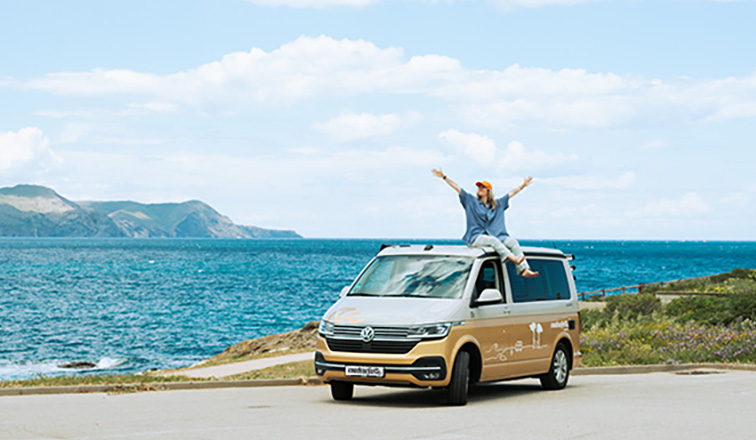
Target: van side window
550	285
488	278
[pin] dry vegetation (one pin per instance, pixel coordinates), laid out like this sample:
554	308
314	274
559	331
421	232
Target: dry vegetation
296	341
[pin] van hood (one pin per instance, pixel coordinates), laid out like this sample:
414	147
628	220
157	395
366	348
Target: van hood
399	311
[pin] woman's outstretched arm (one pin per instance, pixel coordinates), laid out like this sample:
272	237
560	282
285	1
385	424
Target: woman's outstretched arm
521	187
440	174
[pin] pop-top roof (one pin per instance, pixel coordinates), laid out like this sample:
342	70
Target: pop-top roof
465	251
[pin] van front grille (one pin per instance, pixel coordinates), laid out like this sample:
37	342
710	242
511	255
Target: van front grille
353	331
357	346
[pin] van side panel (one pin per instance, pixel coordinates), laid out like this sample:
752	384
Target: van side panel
524	347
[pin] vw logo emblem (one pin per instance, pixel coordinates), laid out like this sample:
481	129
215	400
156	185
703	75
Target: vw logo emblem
367	334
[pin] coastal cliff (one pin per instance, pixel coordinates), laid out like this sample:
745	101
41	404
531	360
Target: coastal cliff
38	211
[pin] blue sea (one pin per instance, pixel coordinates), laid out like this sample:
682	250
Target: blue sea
129	305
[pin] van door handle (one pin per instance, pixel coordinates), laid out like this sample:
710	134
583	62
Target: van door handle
506	311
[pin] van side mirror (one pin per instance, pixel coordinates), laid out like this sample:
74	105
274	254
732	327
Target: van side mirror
344	291
489	296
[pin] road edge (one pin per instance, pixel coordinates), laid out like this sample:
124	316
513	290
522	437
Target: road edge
313	381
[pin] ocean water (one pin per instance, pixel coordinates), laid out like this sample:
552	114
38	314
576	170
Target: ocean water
128	305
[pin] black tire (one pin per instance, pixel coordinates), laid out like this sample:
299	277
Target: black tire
559	371
460	379
342	390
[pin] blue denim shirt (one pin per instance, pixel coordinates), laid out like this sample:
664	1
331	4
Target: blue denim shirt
483	220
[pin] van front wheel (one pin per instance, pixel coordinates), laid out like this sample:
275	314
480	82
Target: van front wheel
556	378
342	390
460	379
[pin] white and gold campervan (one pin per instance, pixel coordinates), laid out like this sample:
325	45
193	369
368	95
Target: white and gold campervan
449	316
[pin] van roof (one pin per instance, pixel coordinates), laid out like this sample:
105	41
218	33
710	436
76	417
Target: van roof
463	251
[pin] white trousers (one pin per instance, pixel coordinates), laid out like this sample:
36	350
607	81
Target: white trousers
509	246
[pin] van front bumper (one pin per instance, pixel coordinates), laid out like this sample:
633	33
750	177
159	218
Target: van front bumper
426	371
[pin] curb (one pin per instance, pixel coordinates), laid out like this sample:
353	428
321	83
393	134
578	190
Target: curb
646	369
314	381
160	386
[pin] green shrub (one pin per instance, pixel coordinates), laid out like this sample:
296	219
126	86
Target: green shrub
737	277
632	306
592	319
739	273
703	309
725	309
743	305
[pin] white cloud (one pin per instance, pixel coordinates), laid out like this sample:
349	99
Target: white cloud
515	156
477	147
130	109
298	70
156	107
624	181
690	204
739	199
655	145
350	126
310	68
22	147
74	132
59	114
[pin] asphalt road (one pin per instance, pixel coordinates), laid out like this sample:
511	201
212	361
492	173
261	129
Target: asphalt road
649	406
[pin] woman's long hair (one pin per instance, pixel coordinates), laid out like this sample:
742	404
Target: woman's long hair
491	202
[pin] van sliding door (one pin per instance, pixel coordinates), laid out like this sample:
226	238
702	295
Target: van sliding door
538	309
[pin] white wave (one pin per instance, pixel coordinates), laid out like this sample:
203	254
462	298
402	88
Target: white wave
27	370
30	370
107	363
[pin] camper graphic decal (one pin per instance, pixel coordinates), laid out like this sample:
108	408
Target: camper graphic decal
347	315
497	354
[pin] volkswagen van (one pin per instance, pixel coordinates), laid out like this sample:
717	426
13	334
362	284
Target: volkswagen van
448	317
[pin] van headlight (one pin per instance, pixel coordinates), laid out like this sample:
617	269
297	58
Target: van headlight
326	328
431	331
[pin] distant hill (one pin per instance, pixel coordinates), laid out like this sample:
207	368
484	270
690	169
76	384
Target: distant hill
38	211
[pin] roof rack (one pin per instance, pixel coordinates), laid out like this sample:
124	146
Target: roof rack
386	245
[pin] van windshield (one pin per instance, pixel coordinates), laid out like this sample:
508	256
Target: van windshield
415	276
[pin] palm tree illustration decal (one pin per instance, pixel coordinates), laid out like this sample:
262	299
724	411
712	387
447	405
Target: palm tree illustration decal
536	329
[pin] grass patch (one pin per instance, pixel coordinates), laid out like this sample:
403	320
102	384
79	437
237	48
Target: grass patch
133	379
285	371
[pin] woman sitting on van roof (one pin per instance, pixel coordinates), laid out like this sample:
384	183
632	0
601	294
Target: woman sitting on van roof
485	221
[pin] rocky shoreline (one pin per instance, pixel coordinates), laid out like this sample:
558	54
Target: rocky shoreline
303	339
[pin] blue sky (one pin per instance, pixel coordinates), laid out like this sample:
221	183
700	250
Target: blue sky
636	118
